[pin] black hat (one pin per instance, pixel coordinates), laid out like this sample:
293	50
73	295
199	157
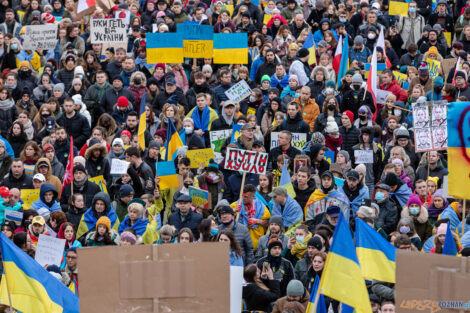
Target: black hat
315	242
391	179
353	174
383	187
80	168
42	163
303	53
460	74
123	6
226	209
136	28
274	243
92	142
10	224
257	143
183	198
333	211
117	77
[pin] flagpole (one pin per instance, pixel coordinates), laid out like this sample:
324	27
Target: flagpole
432	97
241	196
463	215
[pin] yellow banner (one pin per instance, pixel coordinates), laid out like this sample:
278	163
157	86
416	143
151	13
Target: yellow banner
99	180
400	77
200	156
29	196
197	48
448	37
433	66
266	18
398	8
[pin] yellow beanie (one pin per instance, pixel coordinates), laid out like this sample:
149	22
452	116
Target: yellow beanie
104	220
432	50
435	180
24	64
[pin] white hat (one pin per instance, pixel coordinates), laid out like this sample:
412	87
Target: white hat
39	177
77	99
331	126
376	5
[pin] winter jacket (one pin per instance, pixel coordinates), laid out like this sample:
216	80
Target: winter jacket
322	118
163	96
309	112
350	138
388	216
258	299
291	152
88	190
406	25
220	90
283	272
301	70
359	55
93	97
302	196
23	182
110	98
383	290
422	224
204	88
265	69
8	114
301	267
263	241
76	126
41	202
242	235
282	302
394	87
377	166
407	59
355	197
66	77
191	221
353	100
296	124
5	164
50	177
62	151
234	181
438	171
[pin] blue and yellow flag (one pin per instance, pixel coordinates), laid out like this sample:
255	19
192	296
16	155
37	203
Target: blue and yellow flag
198	39
376	255
342	278
164	48
142	124
173	141
166	171
449	247
458	150
285	181
309	44
230	48
321	305
31	287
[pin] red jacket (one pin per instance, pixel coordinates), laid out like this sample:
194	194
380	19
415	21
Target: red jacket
395	88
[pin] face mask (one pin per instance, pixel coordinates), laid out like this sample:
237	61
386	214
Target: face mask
214	232
14	46
414	211
371	36
228	223
356	87
22	37
142	55
188	130
438	89
412	10
331	107
342	20
299	238
379	196
362	117
137	81
397	112
404	230
252	99
186	185
329	90
44	116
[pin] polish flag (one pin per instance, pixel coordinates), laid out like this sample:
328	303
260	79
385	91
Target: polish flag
338	53
455	71
372	81
85	4
381	44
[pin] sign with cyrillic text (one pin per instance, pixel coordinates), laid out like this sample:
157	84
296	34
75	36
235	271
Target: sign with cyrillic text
246	161
108	30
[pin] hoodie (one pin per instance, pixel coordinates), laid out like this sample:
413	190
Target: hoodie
89	219
50	178
41	202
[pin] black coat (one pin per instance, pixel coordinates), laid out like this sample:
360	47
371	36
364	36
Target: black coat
353	100
77	126
62	151
257	299
163	97
388	216
275	152
7	117
192	221
296	124
110	98
24	182
265	69
350	138
88	190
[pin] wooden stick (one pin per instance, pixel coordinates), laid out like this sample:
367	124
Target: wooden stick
241	195
463	216
397	107
71	189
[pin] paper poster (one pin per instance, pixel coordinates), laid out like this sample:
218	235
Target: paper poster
267	18
400	77
40	36
246	161
217	139
329	156
299	140
420	116
236	288
423	139
382	95
398	8
363	156
239	91
99	180
200	156
123	15
29	196
439	137
236	132
199	197
448	37
433	66
430	129
50	250
119	166
14	216
108	30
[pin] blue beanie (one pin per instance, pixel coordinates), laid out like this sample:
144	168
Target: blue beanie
438	81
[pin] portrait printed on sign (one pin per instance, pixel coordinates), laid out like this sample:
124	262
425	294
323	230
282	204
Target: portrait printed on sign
301	160
439	115
423	139
420	116
439	137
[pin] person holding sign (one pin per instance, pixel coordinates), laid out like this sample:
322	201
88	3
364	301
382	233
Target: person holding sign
410	27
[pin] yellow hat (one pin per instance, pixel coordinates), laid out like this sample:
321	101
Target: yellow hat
104	220
293	46
38	220
435	180
24	64
432	50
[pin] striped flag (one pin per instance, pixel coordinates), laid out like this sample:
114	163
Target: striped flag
84	4
142	124
372	81
68	176
381	44
338	53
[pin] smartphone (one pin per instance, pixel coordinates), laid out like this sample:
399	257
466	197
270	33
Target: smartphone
266	264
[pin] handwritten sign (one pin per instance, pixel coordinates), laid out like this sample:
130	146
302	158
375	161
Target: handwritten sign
40	36
119	166
299	140
99	180
200	156
29	196
246	161
430	128
217	139
50	250
108	30
239	91
197	40
236	132
329	156
364	156
14	216
400	77
433	66
199	197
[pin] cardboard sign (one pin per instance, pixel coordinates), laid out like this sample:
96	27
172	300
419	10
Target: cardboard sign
40	36
14	216
299	140
239	91
108	30
364	156
200	156
217	139
155	278
50	250
199	197
29	196
382	95
119	166
236	288
447	65
99	180
246	161
398	8
329	156
433	66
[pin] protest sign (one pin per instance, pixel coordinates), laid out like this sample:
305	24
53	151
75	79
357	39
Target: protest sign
50	250
398	8
199	197
363	156
299	140
301	160
236	288
430	130
197	40
176	278
267	18
125	16
382	95
239	91
119	166
433	66
230	48
217	139
447	65
236	132
329	156
380	68
246	161
200	156
29	196
40	36
14	216
448	36
29	169
99	180
400	77
108	30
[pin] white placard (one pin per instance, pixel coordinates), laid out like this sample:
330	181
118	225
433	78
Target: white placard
104	30
119	167
236	288
299	140
50	250
217	138
40	36
239	91
381	95
246	161
364	156
14	216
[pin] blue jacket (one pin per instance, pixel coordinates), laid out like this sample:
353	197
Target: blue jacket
41	203
8	148
292	213
356	202
235	260
192	221
4	207
465	240
254	67
360	56
283	83
450	213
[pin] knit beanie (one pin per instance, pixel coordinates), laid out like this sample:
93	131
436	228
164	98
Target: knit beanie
122	102
104	220
345	154
366	211
276	219
318	137
442	229
398	161
331	126
274	243
423	70
295	288
128	236
461	74
264	78
435	180
294	77
303	53
361	169
432	50
414	199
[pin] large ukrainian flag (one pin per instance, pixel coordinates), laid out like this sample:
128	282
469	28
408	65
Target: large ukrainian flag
197	39
173	141
376	255
231	48
342	279
166	171
31	287
164	48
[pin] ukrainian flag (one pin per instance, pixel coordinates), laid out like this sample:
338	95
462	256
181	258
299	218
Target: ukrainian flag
376	255
142	124
285	181
164	48
449	247
173	141
342	279
166	171
321	305
310	45
31	287
231	48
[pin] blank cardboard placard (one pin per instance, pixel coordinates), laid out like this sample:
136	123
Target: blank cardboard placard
423	279
151	278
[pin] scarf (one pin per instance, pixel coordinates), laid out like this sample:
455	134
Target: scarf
6	104
101	90
274	261
299	248
139	226
201	123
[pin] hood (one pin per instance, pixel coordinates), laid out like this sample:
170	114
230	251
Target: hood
314	149
45	188
105	198
297	118
325	71
310	184
46	160
96	146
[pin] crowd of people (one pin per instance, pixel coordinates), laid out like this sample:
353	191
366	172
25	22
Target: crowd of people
280	233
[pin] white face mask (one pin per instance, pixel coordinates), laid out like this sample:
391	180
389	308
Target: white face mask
371	36
397	112
189	129
329	90
252	99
